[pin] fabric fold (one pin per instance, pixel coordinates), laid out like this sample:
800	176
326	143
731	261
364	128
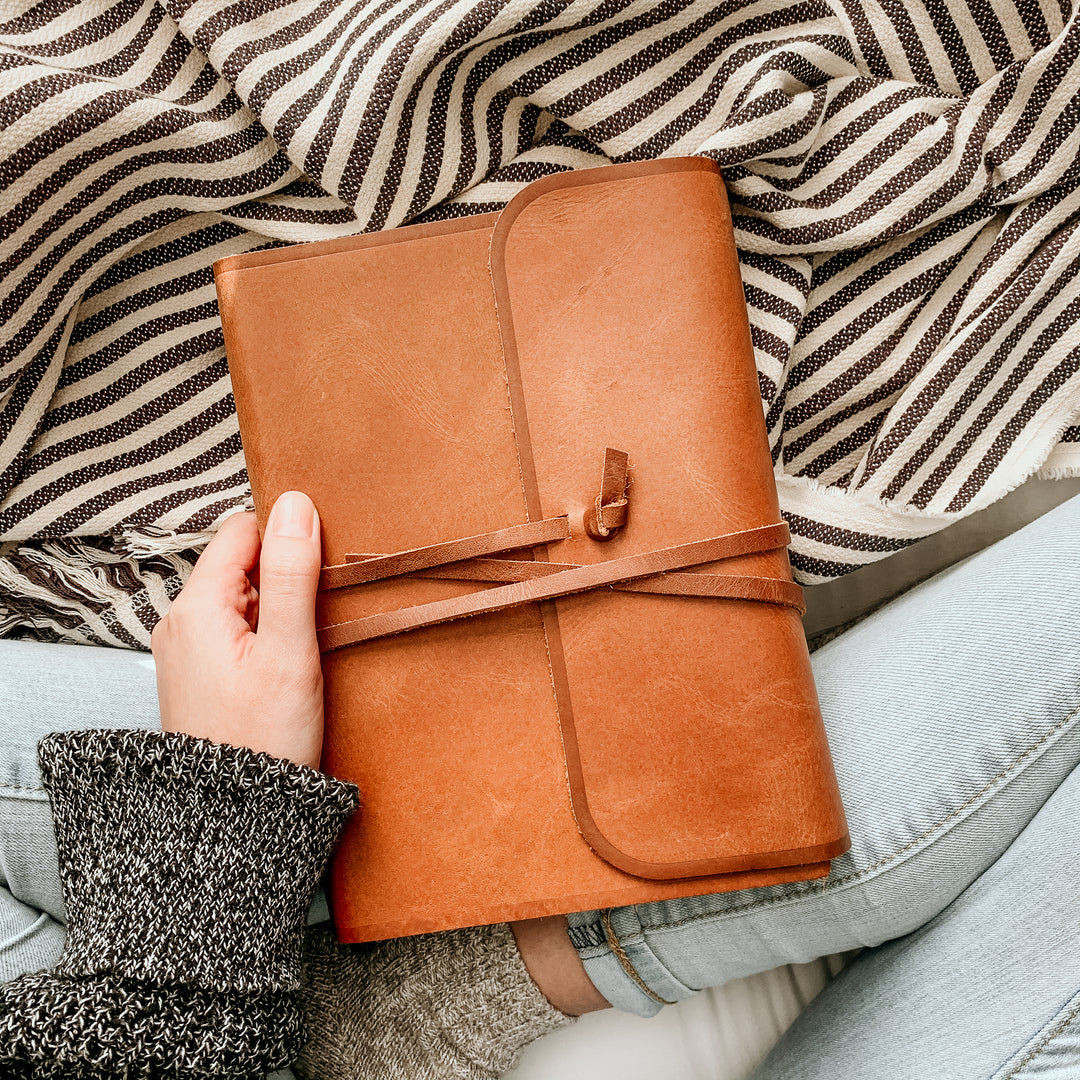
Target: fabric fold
904	192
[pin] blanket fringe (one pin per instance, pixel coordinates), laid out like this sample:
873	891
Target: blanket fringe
150	542
85	592
1059	472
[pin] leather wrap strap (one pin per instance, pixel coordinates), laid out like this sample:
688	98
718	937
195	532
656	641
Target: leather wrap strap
404	562
564	582
497	571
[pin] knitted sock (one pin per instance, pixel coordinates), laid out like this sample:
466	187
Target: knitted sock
458	1004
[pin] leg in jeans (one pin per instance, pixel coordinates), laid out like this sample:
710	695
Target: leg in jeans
988	988
47	688
953	720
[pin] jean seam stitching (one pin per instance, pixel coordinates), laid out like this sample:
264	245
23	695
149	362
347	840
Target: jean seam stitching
1040	1047
830	884
627	965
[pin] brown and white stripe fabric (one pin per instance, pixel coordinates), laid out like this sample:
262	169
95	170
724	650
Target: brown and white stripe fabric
904	177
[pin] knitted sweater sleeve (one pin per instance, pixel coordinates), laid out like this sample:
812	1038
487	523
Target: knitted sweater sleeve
188	867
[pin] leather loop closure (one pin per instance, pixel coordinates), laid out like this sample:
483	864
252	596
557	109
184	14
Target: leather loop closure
542	587
608	512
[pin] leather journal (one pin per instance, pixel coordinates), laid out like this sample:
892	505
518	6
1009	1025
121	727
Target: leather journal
563	651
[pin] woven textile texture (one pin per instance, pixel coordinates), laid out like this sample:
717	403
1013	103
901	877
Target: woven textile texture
903	174
188	868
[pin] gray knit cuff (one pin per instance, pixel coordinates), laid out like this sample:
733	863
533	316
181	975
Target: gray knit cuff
187	861
459	1003
500	1009
53	1026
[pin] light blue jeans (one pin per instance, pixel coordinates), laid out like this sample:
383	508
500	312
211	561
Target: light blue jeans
953	719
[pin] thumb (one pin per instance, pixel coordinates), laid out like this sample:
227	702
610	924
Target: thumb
289	566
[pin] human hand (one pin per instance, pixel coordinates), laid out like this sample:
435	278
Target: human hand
237	663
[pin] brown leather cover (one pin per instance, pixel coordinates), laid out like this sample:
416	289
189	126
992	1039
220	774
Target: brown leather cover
448	380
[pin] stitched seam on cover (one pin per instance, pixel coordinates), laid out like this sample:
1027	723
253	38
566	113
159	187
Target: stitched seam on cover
620	954
1042	1044
831	884
525	496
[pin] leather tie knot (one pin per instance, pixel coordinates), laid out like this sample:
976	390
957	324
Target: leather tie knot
608	512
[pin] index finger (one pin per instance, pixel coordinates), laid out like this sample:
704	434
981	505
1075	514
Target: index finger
228	558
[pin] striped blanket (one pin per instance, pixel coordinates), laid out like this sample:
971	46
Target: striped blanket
904	178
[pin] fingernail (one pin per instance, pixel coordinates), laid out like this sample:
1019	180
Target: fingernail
293	515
